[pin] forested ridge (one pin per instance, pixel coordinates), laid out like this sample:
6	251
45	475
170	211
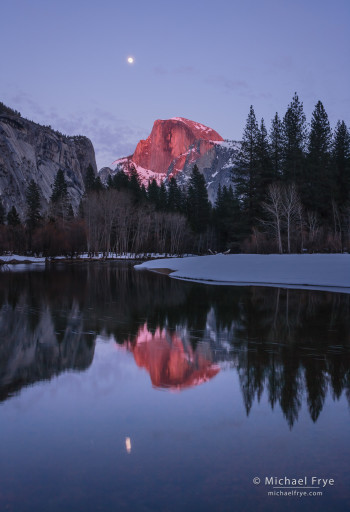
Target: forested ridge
290	192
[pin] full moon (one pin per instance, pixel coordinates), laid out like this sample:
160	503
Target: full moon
130	60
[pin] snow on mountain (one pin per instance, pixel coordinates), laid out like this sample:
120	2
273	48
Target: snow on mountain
171	150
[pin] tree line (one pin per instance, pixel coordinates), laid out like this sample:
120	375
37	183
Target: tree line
293	183
290	192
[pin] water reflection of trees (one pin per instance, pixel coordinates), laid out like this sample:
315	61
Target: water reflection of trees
286	343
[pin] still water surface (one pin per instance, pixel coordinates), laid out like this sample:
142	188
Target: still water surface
130	391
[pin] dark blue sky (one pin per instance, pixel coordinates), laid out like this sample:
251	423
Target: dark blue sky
63	63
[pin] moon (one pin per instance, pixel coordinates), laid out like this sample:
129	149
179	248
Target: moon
130	60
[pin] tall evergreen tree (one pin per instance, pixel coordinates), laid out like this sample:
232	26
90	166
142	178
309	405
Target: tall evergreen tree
2	213
13	217
59	197
276	146
143	193
163	197
120	180
340	165
90	179
175	199
265	175
227	219
246	172
153	192
33	205
110	182
70	212
134	184
198	206
294	135
98	185
60	188
316	185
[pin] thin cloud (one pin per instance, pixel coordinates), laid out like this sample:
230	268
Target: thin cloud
180	70
227	83
160	70
111	136
185	70
283	63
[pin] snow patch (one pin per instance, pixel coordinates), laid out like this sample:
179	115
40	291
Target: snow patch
312	271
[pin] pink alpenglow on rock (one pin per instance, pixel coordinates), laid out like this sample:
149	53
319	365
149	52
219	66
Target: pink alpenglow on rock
172	143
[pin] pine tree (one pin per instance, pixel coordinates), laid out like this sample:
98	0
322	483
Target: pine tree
276	146
163	198
134	184
2	213
13	217
120	180
265	175
143	193
98	185
70	212
294	140
198	206
246	172
33	204
110	183
81	214
59	197
316	184
340	165
90	179
227	219
153	192
60	188
175	200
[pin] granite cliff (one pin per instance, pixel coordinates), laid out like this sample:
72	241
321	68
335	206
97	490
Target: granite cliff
172	149
31	151
29	354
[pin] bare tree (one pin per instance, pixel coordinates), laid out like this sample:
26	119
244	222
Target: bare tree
273	208
313	226
290	210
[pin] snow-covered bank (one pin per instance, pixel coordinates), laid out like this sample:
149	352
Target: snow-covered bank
16	258
12	259
312	271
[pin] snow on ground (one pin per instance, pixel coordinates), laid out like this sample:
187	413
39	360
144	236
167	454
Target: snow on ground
312	271
16	258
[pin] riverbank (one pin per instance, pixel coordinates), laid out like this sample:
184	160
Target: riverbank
16	259
312	271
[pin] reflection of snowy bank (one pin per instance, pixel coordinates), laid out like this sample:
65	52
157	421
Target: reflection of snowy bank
313	271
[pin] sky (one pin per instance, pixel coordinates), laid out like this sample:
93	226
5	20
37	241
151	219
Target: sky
64	63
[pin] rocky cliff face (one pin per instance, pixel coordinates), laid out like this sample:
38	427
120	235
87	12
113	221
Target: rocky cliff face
30	355
172	149
31	151
170	142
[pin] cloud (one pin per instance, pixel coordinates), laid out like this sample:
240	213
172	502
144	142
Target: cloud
185	70
180	70
283	62
227	83
160	70
111	136
22	100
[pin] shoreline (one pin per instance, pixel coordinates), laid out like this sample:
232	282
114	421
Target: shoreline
323	272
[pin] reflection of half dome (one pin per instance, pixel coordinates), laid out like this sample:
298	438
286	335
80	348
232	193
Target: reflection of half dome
170	362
